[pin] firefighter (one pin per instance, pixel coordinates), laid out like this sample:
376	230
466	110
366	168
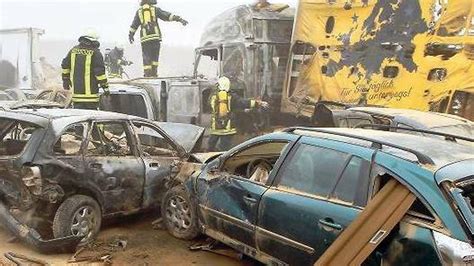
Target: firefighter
84	71
147	19
115	61
223	105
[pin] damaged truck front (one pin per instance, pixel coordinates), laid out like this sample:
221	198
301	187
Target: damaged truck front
246	44
62	174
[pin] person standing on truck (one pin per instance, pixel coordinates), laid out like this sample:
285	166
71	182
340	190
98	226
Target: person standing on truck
223	104
147	18
115	62
84	71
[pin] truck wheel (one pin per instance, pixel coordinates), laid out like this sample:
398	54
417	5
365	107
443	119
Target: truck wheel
179	214
78	215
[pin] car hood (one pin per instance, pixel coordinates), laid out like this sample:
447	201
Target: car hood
187	136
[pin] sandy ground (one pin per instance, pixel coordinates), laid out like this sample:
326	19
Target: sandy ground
144	246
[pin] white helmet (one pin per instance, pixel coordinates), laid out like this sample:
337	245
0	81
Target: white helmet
224	84
91	35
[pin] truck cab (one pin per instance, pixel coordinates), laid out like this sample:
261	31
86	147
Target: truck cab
248	45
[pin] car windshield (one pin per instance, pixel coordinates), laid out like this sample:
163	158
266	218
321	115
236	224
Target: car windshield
14	135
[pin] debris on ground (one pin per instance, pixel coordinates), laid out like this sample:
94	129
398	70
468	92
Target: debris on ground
158	224
214	246
99	251
19	259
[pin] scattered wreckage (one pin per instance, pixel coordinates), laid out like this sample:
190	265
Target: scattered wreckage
284	198
68	170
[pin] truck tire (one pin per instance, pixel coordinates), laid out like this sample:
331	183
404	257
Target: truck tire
78	215
179	214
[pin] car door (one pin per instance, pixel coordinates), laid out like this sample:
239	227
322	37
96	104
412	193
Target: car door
299	216
114	167
159	157
230	207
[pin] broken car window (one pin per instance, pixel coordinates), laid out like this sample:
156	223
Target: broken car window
70	141
152	142
352	186
256	162
109	139
14	136
313	170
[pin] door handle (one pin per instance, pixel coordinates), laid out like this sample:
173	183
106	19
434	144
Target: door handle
154	165
330	223
249	199
95	165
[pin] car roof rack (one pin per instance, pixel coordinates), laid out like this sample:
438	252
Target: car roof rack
376	144
448	137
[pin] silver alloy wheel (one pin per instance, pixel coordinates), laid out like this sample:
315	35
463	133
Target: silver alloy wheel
84	223
178	213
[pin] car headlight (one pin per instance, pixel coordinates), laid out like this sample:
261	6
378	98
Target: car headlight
453	251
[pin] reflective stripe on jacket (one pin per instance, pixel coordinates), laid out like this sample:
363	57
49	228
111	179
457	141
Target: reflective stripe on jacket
147	19
84	68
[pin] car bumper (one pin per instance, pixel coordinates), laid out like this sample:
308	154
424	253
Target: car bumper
32	238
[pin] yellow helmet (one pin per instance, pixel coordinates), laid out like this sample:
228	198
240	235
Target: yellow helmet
224	84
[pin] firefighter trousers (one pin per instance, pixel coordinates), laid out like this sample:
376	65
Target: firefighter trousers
151	56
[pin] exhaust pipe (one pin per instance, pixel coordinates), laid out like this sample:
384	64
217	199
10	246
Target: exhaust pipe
33	239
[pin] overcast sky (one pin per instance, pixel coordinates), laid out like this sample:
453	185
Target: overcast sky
66	19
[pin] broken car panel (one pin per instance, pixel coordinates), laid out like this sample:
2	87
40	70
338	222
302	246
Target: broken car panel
284	198
62	167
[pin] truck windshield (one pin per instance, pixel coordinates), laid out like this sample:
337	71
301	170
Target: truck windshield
14	135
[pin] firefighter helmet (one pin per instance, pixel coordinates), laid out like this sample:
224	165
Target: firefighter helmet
224	84
91	35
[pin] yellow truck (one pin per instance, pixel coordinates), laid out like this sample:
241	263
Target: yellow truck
394	53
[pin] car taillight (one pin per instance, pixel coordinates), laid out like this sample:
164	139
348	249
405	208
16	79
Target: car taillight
31	177
453	251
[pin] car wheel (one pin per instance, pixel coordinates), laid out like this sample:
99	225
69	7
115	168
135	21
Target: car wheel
78	215
179	214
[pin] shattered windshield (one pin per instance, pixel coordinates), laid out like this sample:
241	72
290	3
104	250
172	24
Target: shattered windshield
14	136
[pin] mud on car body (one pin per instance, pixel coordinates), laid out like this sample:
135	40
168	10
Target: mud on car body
284	198
67	170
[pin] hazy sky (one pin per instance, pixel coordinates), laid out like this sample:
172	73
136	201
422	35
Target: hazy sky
66	19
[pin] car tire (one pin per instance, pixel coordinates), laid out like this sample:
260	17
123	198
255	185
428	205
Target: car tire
179	214
78	215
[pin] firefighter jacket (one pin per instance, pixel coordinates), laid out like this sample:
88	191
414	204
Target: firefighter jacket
115	61
223	105
84	71
147	19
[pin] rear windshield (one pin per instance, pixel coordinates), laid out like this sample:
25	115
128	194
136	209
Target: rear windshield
14	136
125	104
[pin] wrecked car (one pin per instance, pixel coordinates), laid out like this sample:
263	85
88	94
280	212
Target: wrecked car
331	114
284	198
63	172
